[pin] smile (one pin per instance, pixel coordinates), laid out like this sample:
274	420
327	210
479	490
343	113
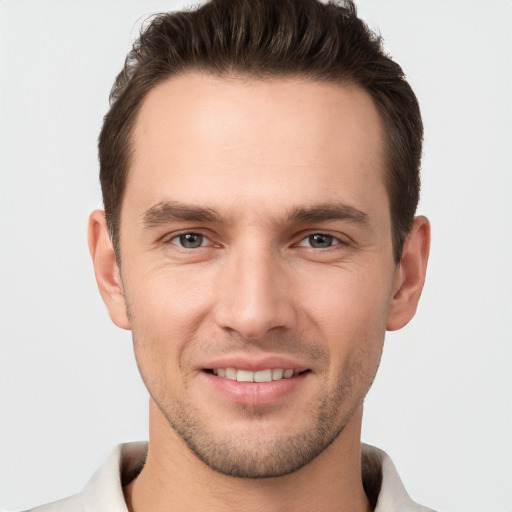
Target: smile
267	375
255	383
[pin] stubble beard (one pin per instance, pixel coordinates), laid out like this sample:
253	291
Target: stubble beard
258	454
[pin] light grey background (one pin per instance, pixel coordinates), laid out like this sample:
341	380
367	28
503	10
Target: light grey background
69	388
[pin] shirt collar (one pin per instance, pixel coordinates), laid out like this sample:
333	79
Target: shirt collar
104	491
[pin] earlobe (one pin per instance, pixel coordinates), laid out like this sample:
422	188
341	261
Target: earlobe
410	275
106	269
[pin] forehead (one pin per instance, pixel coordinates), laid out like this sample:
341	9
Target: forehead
216	139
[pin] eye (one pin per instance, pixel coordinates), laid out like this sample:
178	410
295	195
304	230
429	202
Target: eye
319	241
189	240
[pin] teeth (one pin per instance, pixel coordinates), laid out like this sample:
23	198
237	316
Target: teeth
230	373
267	375
263	376
244	376
277	374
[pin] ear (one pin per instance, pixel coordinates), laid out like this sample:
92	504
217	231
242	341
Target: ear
106	269
410	275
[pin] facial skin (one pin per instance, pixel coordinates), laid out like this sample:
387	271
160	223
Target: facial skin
277	189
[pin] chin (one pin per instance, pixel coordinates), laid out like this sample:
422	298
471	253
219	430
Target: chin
257	447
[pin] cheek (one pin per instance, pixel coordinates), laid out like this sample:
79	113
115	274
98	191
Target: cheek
166	310
343	300
348	311
168	297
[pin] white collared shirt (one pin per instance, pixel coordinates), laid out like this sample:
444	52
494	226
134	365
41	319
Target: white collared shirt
104	491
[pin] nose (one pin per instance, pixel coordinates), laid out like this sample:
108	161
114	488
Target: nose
256	294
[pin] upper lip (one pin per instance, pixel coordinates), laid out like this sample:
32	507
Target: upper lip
255	363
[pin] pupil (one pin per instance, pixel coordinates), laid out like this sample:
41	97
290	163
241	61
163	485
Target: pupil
320	241
191	240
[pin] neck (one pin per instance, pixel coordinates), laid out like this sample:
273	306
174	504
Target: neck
174	475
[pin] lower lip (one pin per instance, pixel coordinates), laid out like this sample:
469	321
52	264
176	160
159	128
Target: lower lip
255	393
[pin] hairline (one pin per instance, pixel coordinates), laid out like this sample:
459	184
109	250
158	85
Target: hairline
246	76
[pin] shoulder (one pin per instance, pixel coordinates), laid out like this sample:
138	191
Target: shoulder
71	504
104	491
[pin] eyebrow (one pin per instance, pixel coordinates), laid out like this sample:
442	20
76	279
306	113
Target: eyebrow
172	211
328	212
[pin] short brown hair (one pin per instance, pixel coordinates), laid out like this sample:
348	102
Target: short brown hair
268	38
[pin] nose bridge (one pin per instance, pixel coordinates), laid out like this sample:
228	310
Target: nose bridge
256	296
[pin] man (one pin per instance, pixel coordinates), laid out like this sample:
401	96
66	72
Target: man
260	175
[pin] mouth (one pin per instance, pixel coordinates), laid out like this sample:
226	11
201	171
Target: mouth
255	382
265	375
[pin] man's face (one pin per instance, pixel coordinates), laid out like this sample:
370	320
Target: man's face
256	243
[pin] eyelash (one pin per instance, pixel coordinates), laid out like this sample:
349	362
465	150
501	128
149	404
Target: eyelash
331	239
181	236
334	240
